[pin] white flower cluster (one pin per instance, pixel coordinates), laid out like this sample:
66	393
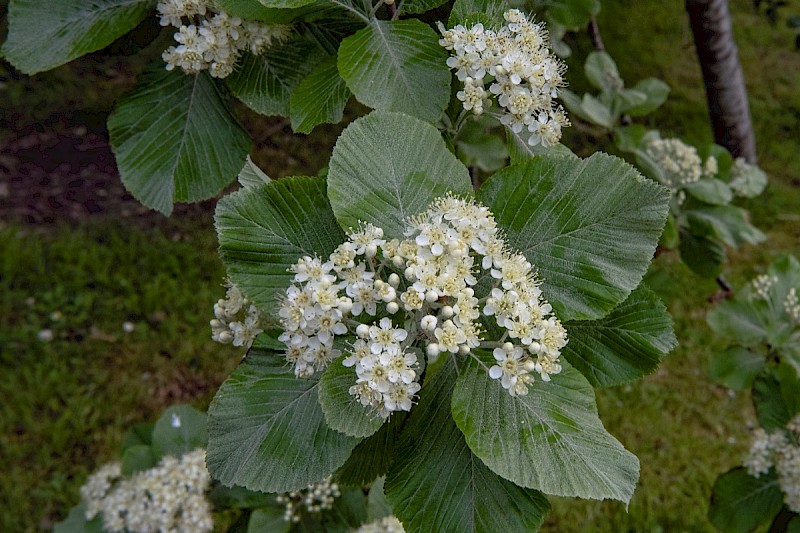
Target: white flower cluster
445	247
210	39
387	524
314	499
744	176
778	449
523	75
792	305
762	285
679	161
226	330
169	497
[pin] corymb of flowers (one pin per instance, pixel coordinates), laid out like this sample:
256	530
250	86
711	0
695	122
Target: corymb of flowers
402	300
210	39
517	64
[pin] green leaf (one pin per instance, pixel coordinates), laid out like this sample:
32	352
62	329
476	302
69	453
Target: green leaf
44	35
141	433
741	502
568	217
377	505
387	166
175	139
265	83
262	232
670	238
269	519
252	177
343	412
181	429
408	7
601	71
551	440
728	223
626	344
776	397
736	367
286	4
573	103
711	191
239	498
704	255
137	458
624	100
371	458
491	10
76	522
629	138
397	66
656	92
572	14
737	320
254	10
478	146
597	112
267	431
437	484
520	150
319	99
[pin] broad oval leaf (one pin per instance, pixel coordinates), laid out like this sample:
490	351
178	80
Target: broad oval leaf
550	440
437	484
179	430
776	397
740	502
601	71
343	412
572	14
252	177
387	166
137	458
736	367
589	227
728	223
656	92
262	232
265	82
490	10
255	10
267	431
397	66
408	7
711	191
285	4
175	140
736	319
319	99
43	35
624	345
373	455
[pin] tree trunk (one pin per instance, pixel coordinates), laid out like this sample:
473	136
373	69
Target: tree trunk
725	90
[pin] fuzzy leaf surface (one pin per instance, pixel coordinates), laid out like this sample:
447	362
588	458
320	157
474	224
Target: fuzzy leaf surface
550	440
437	484
397	66
175	140
43	35
569	217
267	431
263	231
387	166
624	345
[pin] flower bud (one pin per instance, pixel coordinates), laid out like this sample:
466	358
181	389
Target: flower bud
371	250
409	273
432	350
463	349
428	323
345	305
362	330
431	296
392	307
447	311
394	280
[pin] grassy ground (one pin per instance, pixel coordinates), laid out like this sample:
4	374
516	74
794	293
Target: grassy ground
69	401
